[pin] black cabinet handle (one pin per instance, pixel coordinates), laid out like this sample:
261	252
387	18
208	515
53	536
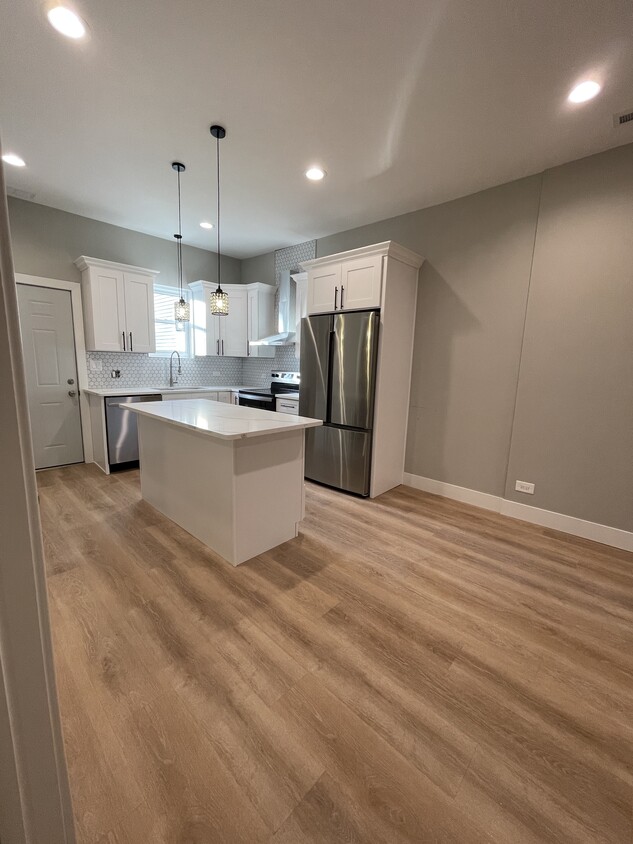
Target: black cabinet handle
131	346
342	291
123	335
335	298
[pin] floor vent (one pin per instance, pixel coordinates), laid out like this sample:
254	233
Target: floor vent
622	118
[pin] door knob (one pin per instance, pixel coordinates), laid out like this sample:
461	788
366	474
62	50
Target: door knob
70	381
72	393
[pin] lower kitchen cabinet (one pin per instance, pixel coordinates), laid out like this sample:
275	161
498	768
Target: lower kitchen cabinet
224	396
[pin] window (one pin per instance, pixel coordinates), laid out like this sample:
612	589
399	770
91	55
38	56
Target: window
168	336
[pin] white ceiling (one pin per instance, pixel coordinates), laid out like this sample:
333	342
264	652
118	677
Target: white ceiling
405	104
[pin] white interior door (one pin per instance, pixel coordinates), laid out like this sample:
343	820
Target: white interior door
48	341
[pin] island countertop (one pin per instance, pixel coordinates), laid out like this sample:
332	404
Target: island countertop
223	421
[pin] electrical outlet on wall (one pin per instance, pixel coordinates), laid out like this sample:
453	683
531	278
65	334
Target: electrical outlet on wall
524	486
115	373
96	365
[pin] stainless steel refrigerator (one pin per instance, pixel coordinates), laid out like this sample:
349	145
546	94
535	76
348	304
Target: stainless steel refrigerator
338	381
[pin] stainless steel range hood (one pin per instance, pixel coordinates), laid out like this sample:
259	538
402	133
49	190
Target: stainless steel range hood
285	326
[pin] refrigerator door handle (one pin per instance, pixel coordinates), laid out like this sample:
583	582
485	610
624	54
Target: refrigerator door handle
335	298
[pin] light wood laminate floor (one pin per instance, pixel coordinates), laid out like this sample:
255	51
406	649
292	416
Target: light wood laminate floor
409	669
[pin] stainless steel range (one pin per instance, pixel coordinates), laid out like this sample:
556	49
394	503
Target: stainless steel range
282	382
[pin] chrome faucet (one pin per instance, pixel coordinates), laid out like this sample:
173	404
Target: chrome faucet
173	380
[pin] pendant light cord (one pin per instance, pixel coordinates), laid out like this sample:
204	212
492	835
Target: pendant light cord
179	239
217	143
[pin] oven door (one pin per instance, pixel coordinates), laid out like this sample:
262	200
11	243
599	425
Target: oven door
261	402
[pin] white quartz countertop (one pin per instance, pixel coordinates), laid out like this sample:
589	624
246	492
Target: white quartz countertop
225	421
157	391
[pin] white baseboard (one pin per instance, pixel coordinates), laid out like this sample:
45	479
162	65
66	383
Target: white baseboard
458	493
568	524
545	518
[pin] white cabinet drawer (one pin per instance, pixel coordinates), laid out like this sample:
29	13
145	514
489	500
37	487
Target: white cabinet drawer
287	405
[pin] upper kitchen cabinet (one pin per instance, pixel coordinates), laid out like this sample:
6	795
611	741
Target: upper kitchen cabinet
354	280
301	306
250	317
220	336
261	318
118	304
324	285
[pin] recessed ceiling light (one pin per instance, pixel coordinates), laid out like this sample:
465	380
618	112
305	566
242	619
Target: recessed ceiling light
67	22
315	174
15	160
205	225
583	92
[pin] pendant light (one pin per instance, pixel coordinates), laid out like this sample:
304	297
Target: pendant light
182	311
219	299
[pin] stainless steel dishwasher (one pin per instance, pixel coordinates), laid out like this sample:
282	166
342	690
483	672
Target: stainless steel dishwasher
122	430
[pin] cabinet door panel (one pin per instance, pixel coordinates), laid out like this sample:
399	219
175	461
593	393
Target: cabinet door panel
233	327
139	313
108	311
224	396
260	322
324	287
361	283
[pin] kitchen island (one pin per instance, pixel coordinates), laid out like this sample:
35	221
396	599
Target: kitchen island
232	476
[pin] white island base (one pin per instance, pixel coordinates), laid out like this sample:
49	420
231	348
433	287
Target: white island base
231	476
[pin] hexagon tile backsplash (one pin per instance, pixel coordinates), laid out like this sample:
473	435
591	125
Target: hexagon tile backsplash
138	370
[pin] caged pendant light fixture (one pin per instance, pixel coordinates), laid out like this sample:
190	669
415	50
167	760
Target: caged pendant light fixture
219	299
182	310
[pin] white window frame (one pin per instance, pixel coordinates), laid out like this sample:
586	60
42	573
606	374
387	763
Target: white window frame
188	332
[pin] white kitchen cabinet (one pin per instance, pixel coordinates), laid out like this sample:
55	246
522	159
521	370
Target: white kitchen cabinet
324	285
382	276
225	396
235	397
361	283
234	326
211	395
346	285
219	336
301	306
261	318
250	316
118	303
286	405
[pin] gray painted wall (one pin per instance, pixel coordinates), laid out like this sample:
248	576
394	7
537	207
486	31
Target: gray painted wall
46	241
573	431
261	268
525	371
